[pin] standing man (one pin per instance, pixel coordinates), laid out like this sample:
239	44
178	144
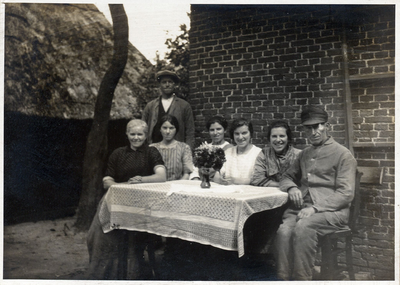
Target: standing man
169	103
320	184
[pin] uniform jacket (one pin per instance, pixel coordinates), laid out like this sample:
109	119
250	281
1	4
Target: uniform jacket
328	173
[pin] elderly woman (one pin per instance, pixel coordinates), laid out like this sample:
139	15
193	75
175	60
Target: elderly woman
134	163
240	159
176	155
276	158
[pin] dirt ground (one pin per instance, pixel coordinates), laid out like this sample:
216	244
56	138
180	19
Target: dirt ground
51	250
44	250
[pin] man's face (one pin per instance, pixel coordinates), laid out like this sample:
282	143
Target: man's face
318	133
167	85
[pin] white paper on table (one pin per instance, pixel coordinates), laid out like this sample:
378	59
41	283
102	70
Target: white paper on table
215	188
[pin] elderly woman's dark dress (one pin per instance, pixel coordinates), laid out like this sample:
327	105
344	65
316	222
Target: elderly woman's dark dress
123	164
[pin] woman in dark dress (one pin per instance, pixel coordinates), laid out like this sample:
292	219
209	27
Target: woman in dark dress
135	163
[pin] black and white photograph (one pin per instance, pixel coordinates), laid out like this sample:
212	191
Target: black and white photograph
215	142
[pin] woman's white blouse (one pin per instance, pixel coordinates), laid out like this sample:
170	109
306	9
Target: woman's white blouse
239	168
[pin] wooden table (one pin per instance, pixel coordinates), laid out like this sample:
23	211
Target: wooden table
182	209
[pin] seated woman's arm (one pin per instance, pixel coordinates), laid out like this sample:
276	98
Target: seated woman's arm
160	172
108	181
187	163
260	177
219	178
195	174
185	176
160	175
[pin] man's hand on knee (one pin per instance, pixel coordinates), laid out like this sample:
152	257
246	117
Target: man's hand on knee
306	212
296	197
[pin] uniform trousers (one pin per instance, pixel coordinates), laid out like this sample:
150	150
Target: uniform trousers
296	242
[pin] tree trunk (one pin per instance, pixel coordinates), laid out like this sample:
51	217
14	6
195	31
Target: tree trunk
96	146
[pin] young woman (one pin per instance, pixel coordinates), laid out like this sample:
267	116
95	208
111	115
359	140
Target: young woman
177	155
216	127
276	158
240	159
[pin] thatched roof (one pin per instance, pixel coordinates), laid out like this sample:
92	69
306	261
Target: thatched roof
55	58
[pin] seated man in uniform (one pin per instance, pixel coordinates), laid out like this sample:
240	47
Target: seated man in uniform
320	184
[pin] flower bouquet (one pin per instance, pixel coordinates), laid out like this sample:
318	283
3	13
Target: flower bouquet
206	158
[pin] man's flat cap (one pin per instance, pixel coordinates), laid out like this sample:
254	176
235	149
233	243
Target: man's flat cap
313	115
169	73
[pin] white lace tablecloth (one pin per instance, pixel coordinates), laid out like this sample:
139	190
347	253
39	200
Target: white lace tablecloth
181	209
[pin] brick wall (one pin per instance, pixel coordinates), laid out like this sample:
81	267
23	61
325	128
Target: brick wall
374	245
373	110
266	62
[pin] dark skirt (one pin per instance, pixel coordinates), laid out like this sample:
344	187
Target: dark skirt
106	252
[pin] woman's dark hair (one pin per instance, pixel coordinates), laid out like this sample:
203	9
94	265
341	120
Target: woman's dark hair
240	123
171	119
217	119
280	124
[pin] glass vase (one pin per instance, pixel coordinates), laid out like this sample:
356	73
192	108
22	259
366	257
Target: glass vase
205	177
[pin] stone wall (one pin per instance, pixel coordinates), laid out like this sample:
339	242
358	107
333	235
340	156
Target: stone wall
266	62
